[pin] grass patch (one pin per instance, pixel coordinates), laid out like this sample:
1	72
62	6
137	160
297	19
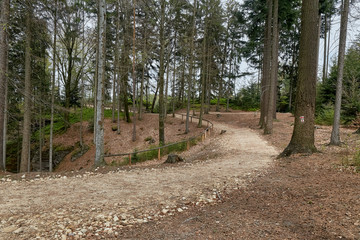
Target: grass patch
153	152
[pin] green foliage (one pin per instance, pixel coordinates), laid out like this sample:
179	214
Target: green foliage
222	101
350	107
248	98
325	116
152	154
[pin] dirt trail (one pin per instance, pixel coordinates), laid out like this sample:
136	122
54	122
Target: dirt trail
90	205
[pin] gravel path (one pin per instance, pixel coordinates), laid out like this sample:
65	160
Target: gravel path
94	205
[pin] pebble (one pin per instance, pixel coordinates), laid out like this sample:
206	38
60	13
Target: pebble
9	229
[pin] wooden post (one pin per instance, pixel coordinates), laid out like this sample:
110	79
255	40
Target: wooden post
191	119
159	154
129	159
182	117
188	145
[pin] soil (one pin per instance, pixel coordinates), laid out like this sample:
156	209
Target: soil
231	186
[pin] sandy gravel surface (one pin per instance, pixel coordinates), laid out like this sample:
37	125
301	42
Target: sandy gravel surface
92	205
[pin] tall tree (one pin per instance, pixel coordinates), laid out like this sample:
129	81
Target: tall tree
134	77
274	70
265	81
53	91
302	140
25	150
4	49
190	80
335	133
99	123
161	75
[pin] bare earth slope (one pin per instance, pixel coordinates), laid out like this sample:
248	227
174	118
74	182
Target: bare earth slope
94	205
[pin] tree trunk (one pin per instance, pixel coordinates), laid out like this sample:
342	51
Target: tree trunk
335	133
25	150
190	68
302	140
53	92
274	71
265	82
4	49
82	79
134	82
174	78
203	76
99	123
144	62
325	49
161	75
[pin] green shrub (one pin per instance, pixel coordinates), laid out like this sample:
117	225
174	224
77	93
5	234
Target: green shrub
325	116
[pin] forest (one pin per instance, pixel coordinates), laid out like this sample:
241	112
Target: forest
69	61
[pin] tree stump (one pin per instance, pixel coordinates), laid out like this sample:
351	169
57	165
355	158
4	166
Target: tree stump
173	158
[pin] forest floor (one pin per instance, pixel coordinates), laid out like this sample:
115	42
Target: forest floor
229	187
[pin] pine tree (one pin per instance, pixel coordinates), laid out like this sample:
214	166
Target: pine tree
302	140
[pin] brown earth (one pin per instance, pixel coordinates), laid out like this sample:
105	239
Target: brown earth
230	187
122	143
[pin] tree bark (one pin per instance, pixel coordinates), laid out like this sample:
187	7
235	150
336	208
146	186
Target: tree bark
4	51
25	151
190	68
144	62
302	140
134	81
203	76
335	133
53	92
174	77
99	123
266	66
273	72
161	75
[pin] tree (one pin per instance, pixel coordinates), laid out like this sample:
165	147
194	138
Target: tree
53	92
25	150
134	79
335	133
191	67
161	75
302	140
4	21
265	81
99	123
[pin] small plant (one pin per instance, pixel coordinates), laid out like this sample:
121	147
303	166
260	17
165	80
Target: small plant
352	161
